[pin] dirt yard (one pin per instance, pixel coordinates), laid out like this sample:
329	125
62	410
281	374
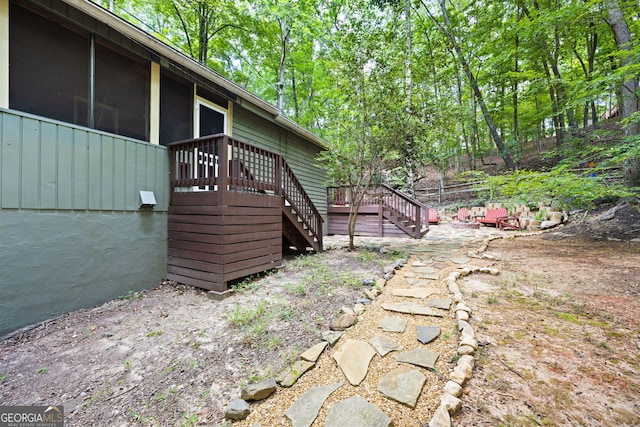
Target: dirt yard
558	328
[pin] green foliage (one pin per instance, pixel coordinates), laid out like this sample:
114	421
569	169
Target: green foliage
560	187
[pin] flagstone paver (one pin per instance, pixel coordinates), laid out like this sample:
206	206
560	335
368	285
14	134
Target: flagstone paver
430	273
393	324
419	356
411	308
403	385
312	354
385	345
353	359
419	293
304	411
441	303
356	411
426	334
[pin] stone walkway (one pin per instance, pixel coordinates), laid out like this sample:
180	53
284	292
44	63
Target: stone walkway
381	364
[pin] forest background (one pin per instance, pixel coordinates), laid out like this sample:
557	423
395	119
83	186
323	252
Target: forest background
396	86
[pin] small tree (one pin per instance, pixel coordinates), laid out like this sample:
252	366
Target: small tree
355	163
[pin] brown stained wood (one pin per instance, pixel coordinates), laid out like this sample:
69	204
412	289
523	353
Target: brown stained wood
228	219
221	229
223	210
196	274
196	265
190	232
244	268
218	248
212	286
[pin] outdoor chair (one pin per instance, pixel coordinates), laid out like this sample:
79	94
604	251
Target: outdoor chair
462	215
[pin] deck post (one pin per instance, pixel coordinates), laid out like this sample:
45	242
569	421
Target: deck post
418	221
223	168
279	175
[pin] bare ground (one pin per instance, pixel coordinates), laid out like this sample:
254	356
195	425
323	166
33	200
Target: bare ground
559	329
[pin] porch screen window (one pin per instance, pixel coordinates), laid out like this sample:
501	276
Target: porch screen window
49	75
49	68
122	94
176	106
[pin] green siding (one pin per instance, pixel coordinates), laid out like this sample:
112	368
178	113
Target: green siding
299	153
46	164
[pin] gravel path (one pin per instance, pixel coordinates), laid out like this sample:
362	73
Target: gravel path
443	251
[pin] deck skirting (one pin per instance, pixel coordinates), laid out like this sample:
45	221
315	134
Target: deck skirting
210	245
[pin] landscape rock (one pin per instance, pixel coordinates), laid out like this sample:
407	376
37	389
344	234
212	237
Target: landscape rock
451	403
313	353
393	324
411	308
343	322
304	411
380	283
347	310
331	337
492	271
260	390
384	345
426	334
452	388
462	307
289	376
465	350
368	282
468	340
356	411
403	385
441	418
359	309
468	360
353	359
420	357
462	325
462	315
237	410
371	294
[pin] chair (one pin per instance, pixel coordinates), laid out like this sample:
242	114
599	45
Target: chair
491	216
462	215
433	217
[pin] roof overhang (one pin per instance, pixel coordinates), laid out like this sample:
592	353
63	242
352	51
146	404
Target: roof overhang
162	49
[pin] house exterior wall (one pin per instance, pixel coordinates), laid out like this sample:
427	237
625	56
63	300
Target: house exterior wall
73	233
250	127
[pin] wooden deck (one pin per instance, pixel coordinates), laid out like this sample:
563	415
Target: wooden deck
383	213
230	206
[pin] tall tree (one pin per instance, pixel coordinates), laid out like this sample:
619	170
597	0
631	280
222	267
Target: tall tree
629	86
447	29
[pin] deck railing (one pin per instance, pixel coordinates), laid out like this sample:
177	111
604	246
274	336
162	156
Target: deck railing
223	164
397	201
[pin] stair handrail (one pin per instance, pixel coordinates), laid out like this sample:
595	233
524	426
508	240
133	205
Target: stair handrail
406	205
203	164
300	202
424	208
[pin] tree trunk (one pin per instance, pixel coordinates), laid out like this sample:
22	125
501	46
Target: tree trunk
284	38
408	82
497	139
629	104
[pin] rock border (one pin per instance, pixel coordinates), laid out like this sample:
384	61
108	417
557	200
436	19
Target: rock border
450	402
